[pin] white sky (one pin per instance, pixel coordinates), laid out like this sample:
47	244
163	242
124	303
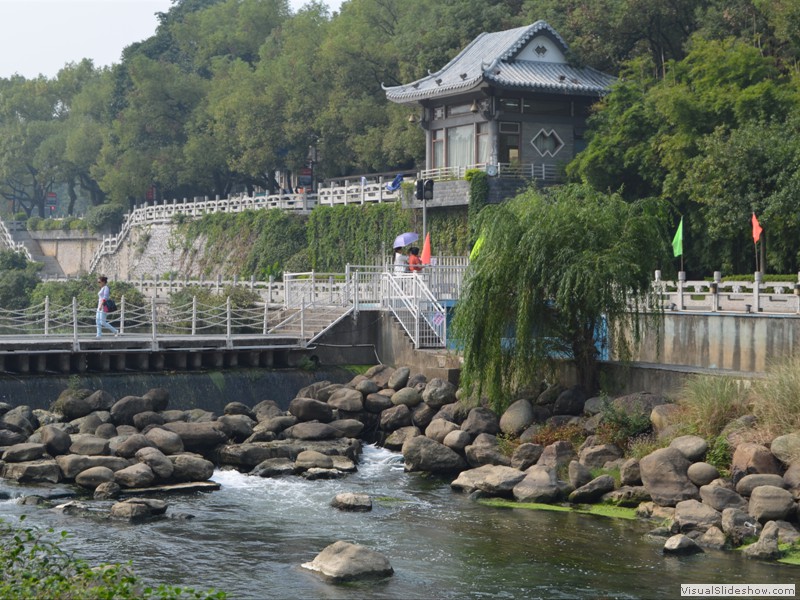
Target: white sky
41	36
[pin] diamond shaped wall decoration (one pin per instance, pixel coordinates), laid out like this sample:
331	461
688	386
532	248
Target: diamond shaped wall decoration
547	143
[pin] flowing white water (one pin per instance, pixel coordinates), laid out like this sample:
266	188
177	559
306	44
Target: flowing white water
250	538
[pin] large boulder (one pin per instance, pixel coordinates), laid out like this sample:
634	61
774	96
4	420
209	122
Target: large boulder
94	476
739	525
161	466
347	400
135	476
693	447
750	458
748	483
408	396
719	498
348	501
311	459
128	446
494	480
424	454
399	378
24	452
702	473
35	471
55	439
771	503
167	441
525	455
397	438
72	464
539	485
481	420
395	417
90	445
100	400
237	427
557	455
439	392
439	428
766	548
244	455
517	418
200	436
786	448
124	409
665	477
344	561
308	409
190	467
593	491
485	450
681	544
691	515
596	456
312	431
579	475
570	401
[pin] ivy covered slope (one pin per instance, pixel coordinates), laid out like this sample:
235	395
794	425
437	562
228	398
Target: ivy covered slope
266	243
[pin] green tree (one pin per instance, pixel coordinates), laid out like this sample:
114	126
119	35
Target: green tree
553	269
18	278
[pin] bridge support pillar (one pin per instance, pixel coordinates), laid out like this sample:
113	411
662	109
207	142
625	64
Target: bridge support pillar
232	359
63	363
156	361
195	360
118	361
214	360
141	361
79	363
39	363
266	359
99	362
23	363
251	359
177	361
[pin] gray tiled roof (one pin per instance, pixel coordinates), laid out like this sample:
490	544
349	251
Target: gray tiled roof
490	58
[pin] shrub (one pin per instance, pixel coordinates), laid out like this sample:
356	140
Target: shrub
33	566
106	218
720	455
642	445
618	427
549	434
34	223
709	403
776	398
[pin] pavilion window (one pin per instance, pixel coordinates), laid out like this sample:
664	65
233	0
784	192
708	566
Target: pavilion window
482	143
460	146
437	150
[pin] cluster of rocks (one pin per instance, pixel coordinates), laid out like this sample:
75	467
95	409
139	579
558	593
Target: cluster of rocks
135	444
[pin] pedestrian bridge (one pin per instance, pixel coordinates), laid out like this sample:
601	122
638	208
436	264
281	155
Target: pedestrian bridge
162	334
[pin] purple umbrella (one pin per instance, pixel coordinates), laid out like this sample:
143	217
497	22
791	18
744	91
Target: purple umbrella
404	239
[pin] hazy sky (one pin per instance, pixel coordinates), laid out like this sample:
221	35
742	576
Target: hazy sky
41	36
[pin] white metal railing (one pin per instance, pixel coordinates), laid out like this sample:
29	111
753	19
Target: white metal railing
415	307
8	240
148	319
717	295
537	171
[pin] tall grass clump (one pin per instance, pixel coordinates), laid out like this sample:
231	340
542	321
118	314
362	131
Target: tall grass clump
709	403
776	398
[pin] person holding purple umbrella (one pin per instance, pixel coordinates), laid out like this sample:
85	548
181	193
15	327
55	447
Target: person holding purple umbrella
400	260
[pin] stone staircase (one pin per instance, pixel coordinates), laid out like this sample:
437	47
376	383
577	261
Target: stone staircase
51	267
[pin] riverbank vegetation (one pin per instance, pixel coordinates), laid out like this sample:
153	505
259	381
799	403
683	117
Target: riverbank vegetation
556	275
35	565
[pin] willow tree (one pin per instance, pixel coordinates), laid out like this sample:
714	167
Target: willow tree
556	271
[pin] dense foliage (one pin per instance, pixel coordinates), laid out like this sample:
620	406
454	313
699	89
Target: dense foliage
18	278
35	566
554	271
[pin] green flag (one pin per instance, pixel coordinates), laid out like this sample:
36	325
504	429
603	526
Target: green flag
677	241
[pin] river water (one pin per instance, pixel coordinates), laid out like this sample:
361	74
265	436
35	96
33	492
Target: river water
250	538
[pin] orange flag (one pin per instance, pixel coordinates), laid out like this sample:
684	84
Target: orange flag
426	250
756	229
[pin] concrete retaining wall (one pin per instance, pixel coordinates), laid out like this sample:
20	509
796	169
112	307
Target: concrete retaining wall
72	249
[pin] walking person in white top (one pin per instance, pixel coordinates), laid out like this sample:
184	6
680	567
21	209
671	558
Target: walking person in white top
100	319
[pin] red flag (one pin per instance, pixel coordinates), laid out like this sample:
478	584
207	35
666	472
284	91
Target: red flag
426	250
756	229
